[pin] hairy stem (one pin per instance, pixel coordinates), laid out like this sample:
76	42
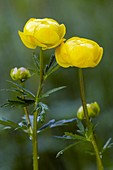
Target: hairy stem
87	120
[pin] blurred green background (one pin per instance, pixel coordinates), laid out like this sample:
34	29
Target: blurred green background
84	18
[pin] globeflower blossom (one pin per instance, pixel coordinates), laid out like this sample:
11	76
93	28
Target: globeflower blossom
45	33
78	52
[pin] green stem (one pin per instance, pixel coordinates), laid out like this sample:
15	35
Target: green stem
88	123
98	156
27	114
35	136
28	121
83	97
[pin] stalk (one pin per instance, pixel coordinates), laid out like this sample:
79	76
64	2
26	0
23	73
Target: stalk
35	136
88	122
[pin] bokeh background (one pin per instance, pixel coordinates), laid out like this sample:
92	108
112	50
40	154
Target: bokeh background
84	18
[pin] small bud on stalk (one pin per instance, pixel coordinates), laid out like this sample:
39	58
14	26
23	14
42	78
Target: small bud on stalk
21	74
93	110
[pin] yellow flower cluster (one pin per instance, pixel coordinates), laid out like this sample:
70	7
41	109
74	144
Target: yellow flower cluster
48	33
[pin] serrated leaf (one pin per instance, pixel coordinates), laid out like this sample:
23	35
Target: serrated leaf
52	91
22	88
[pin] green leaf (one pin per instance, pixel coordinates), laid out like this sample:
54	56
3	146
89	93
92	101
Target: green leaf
22	89
36	62
66	148
75	136
15	90
107	145
52	91
81	129
72	136
42	108
16	103
52	123
54	67
11	124
50	64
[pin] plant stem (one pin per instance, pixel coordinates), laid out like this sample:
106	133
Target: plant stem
98	156
88	123
35	136
27	115
28	121
83	97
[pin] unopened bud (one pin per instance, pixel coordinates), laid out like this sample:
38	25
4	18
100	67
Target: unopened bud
93	110
21	74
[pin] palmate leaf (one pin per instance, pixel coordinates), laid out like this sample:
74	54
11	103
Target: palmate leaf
52	91
52	123
10	124
22	89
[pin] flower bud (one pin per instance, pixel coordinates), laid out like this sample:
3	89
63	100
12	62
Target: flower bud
46	33
78	52
21	74
93	110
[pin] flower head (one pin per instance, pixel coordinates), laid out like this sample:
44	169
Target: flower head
46	33
78	52
21	74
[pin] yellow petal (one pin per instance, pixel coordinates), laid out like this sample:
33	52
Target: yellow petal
30	26
62	30
27	40
46	35
62	56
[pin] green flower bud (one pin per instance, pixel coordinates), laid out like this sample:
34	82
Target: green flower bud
80	113
21	74
93	110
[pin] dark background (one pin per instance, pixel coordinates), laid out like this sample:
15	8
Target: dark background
84	18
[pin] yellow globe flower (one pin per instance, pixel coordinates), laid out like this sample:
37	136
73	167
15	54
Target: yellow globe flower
46	33
78	52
